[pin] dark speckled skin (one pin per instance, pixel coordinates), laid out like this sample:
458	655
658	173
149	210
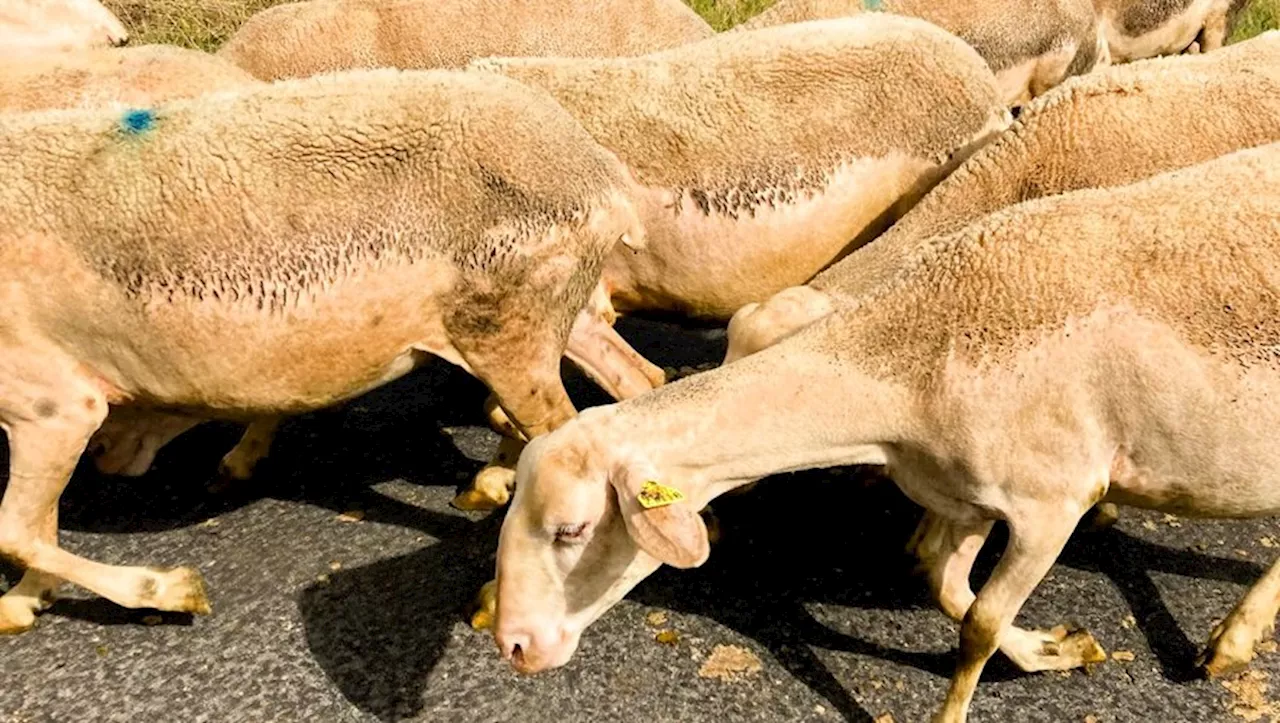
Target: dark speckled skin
808	577
1138	18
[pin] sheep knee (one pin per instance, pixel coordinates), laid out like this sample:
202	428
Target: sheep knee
755	327
16	545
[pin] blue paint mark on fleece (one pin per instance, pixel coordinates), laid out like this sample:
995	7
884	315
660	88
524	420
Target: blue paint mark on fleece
137	121
871	4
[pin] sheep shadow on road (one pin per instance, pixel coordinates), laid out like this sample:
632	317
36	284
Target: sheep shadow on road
782	552
379	630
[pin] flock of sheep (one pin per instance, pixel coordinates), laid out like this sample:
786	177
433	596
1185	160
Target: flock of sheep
961	240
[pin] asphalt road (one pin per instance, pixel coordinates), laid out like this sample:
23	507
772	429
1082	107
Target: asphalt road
317	619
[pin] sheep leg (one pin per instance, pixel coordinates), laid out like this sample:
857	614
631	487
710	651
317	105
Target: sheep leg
951	561
596	348
253	447
534	397
1214	33
758	326
491	488
498	419
1231	645
948	557
49	417
1050	70
533	394
34	592
486	606
926	542
927	539
1036	537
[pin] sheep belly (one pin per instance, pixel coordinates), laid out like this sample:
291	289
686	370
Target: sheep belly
709	261
1218	463
231	359
1169	38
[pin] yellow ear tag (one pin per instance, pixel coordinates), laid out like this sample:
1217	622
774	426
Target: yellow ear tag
655	494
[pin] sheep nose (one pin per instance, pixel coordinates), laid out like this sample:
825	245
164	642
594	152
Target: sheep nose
118	41
513	646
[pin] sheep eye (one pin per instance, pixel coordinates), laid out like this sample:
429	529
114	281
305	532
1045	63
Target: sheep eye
570	533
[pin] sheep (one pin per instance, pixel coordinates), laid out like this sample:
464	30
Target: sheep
1109	128
1085	134
1105	344
301	39
276	249
128	76
1137	29
306	38
727	223
28	26
1031	45
760	157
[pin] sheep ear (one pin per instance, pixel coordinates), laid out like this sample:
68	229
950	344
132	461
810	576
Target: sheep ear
661	521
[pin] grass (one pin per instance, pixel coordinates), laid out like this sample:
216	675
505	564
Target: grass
724	14
1258	17
202	24
205	24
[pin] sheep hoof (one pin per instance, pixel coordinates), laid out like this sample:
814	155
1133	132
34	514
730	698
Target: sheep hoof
1105	514
490	490
179	589
1229	651
486	606
1079	645
1221	666
475	501
17	615
1061	648
482	620
238	466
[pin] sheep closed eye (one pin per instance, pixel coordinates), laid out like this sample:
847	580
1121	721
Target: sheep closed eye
570	533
